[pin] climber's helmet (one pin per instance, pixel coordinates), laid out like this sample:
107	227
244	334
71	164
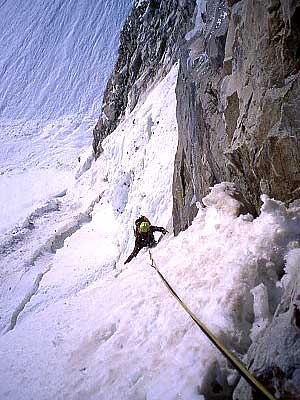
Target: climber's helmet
144	227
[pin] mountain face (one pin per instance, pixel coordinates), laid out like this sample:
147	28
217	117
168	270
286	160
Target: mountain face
237	93
238	120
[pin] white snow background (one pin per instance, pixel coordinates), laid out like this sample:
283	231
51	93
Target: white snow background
78	324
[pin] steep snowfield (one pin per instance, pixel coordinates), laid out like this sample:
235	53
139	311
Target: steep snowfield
78	324
50	51
55	59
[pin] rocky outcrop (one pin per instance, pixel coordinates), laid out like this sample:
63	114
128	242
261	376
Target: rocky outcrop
274	355
264	145
149	46
238	95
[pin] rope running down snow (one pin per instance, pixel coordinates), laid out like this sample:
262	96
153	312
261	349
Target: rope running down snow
236	363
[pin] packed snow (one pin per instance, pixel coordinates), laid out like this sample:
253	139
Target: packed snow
76	323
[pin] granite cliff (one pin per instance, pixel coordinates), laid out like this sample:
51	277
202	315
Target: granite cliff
238	120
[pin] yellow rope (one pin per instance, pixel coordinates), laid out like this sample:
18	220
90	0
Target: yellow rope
236	363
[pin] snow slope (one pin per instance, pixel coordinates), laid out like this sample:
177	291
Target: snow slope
56	57
78	324
58	62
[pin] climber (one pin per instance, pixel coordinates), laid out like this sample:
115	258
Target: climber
144	236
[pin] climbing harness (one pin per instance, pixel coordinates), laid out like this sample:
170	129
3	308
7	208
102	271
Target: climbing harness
235	362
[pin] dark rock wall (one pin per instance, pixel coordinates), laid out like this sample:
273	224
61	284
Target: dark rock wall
199	161
149	46
264	147
238	105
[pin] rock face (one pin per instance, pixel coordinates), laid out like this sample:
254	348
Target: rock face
261	97
149	46
200	161
238	95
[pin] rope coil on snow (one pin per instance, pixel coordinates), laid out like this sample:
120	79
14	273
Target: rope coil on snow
245	373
